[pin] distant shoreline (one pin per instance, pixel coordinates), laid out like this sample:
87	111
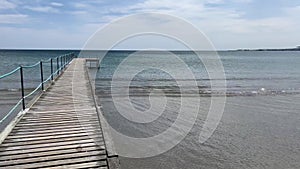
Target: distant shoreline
172	50
284	49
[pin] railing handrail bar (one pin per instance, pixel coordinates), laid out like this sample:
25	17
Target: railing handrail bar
31	66
40	85
9	73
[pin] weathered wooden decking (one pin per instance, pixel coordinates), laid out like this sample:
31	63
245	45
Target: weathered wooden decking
61	130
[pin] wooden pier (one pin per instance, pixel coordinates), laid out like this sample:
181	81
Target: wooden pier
61	130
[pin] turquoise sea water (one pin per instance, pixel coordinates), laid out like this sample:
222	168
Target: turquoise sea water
10	86
247	72
260	127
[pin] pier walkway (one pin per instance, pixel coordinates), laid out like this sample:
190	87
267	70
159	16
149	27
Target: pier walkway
61	130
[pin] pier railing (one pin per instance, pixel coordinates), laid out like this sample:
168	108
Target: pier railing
32	80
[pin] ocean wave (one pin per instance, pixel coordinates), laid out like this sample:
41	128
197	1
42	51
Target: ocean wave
204	91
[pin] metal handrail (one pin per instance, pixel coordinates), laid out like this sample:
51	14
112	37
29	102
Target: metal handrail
10	73
31	66
64	61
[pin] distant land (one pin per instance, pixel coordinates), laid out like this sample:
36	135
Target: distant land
284	49
133	50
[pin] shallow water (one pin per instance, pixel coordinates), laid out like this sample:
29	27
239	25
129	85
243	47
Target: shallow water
254	132
260	127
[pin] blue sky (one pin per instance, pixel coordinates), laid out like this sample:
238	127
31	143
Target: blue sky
229	24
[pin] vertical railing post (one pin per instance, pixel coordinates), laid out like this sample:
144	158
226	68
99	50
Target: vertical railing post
61	64
42	75
51	61
65	61
22	88
57	65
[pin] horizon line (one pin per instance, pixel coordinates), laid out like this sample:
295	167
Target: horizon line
78	49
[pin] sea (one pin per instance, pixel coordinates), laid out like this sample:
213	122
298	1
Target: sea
259	127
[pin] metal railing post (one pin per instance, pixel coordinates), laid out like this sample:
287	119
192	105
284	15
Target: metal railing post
51	60
65	61
42	75
22	88
57	65
61	65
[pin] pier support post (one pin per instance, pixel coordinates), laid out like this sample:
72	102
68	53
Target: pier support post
57	65
42	75
51	61
22	87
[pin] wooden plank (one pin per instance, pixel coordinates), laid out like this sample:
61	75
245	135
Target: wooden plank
33	123
32	129
94	164
61	116
3	153
62	162
22	132
54	126
53	157
10	126
49	145
60	111
97	131
48	153
47	119
19	134
11	144
46	137
59	131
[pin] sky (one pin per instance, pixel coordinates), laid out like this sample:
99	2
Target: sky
229	24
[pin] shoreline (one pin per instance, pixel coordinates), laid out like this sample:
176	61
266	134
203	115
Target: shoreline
160	50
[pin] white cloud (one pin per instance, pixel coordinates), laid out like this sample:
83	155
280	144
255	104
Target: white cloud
226	27
46	9
188	9
79	12
293	11
218	22
12	18
214	1
57	4
242	1
37	38
169	6
4	4
80	5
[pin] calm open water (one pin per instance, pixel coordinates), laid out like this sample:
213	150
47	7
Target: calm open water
260	127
